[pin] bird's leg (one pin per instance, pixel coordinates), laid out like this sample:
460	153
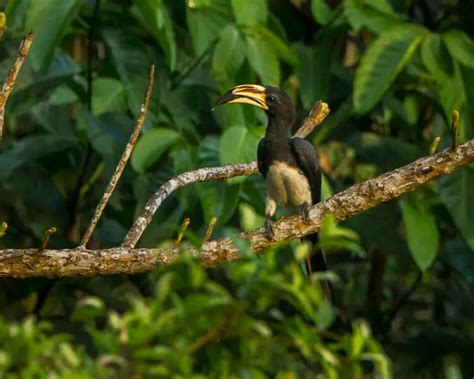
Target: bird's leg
304	210
270	208
269	228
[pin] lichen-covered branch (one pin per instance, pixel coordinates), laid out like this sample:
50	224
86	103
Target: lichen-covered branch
12	74
316	116
125	260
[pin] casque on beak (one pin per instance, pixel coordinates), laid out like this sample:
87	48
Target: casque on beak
244	94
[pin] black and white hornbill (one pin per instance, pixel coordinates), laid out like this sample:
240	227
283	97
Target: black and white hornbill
288	164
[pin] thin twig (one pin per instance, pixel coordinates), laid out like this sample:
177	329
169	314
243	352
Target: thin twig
123	161
317	115
12	74
345	204
46	236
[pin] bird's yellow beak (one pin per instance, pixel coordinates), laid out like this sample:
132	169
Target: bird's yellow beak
245	94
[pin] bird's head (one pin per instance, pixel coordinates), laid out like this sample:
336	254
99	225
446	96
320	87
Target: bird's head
274	101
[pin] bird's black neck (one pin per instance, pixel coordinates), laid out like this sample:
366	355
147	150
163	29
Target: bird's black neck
278	129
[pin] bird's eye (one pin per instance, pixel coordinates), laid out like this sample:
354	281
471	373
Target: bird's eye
271	98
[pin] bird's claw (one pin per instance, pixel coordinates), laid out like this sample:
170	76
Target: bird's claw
305	213
269	229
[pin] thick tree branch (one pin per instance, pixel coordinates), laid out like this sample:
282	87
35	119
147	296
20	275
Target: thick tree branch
315	117
12	74
352	201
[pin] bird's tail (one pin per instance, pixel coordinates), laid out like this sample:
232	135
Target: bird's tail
316	262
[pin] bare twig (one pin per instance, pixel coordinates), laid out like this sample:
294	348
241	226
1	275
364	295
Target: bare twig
12	74
316	117
124	260
46	236
123	161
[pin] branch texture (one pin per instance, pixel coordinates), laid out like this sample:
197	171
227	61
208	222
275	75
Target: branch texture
350	202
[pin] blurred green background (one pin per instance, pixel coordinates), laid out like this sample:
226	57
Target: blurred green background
392	72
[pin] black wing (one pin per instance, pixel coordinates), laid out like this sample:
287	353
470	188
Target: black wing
307	161
262	157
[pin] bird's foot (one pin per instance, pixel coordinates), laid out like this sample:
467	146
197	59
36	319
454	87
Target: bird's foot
269	228
304	210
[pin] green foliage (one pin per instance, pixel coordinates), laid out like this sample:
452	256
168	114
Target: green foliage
193	326
392	73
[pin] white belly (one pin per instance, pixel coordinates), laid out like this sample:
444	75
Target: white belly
287	185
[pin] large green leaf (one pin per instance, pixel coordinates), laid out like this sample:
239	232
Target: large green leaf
151	147
376	15
206	19
456	193
30	149
421	232
321	11
382	62
231	145
253	12
107	133
219	199
229	55
460	46
50	19
263	59
132	62
436	58
156	19
445	73
108	95
314	64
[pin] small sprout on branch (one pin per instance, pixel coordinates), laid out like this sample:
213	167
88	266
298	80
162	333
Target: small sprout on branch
210	229
455	129
3	23
182	230
434	145
46	236
3	229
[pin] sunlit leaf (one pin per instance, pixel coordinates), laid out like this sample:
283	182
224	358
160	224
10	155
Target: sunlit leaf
382	62
206	20
50	19
460	46
263	59
229	55
108	95
321	11
132	62
151	147
253	12
157	20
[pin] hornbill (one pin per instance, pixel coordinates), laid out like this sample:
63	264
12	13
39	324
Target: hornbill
288	164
